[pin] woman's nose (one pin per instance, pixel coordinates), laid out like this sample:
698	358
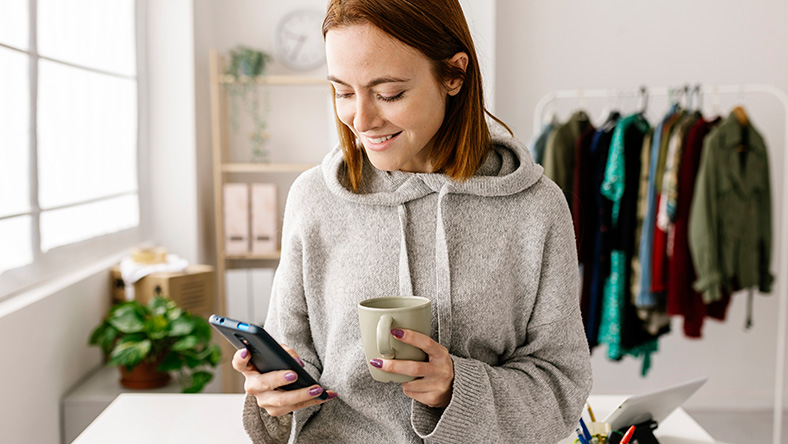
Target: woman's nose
367	116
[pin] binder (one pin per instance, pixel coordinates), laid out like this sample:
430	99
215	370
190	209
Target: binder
264	218
236	218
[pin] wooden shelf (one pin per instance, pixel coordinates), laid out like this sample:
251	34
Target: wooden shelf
274	256
273	80
266	167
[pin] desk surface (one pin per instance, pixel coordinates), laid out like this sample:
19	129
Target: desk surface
212	418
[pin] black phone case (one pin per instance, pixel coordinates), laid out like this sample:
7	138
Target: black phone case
267	354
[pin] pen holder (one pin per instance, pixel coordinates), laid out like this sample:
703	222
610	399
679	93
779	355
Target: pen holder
599	432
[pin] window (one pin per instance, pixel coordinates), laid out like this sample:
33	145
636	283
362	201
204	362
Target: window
68	135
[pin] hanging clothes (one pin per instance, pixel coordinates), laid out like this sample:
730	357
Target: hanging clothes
730	228
559	155
682	298
537	147
582	202
620	328
645	153
661	243
596	267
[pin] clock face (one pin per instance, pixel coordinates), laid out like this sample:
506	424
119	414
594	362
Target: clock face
299	40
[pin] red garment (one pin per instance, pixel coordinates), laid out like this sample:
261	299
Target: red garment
659	258
682	299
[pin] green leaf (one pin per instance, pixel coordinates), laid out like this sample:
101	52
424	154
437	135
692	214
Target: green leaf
127	320
192	361
157	327
160	305
174	313
185	343
198	381
129	353
202	330
104	336
172	361
181	327
216	354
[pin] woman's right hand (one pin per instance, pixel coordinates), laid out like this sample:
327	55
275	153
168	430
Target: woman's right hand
265	386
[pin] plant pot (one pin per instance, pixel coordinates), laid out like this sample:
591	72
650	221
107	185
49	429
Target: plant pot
143	376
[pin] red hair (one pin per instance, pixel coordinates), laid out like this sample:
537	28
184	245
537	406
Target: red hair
438	29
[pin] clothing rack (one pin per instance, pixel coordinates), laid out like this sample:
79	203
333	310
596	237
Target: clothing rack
782	259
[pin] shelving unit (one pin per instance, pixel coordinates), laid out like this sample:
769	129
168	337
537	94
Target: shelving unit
223	168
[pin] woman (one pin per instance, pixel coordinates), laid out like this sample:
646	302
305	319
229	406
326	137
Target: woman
421	198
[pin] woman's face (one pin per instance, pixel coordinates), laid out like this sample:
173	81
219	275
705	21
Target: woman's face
387	93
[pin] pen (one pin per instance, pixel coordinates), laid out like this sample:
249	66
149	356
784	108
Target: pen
628	435
586	433
590	412
580	436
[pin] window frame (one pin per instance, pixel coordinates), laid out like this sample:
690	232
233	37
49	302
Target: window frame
61	260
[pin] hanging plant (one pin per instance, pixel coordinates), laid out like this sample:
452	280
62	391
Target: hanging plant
244	91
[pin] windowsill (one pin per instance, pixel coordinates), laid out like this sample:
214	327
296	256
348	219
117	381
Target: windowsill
55	285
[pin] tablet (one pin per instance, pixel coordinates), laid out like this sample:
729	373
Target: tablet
654	406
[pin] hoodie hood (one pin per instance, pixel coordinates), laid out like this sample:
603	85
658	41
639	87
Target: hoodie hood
507	170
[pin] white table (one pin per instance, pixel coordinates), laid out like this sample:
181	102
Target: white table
216	418
169	418
677	428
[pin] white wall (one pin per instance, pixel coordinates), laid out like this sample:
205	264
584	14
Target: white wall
44	341
568	44
171	146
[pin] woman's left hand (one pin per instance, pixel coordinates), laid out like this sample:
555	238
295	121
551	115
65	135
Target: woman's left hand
433	386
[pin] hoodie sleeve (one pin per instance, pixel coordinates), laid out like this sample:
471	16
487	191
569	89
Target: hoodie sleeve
287	322
537	394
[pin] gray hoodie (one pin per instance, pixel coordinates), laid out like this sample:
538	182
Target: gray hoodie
495	253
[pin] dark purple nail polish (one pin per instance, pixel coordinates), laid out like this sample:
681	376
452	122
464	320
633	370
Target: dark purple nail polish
332	395
315	391
298	360
377	363
397	333
244	353
290	376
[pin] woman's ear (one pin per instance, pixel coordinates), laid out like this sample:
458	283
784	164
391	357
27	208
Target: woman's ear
459	60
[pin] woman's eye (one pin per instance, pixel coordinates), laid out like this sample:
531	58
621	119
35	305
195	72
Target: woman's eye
391	98
340	95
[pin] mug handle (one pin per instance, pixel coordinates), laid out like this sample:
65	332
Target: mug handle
384	337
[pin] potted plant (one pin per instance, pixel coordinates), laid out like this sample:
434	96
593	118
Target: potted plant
149	341
246	64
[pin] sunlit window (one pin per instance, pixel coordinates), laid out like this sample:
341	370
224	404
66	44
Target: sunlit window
68	132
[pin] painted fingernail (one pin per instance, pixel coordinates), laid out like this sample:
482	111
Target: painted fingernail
315	391
298	360
244	353
377	363
397	333
290	376
332	395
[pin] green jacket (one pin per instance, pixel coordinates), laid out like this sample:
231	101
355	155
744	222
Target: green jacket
731	216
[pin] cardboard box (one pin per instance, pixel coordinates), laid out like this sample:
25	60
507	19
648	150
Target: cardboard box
192	289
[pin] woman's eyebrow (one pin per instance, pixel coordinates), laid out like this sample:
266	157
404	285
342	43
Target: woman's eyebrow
372	83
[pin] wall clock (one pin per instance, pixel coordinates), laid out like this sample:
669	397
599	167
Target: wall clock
299	40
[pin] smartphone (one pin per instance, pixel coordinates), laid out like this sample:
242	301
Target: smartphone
267	354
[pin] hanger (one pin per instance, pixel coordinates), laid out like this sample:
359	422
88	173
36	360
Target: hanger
644	100
698	98
740	115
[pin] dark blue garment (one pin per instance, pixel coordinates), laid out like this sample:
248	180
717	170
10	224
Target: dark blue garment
600	147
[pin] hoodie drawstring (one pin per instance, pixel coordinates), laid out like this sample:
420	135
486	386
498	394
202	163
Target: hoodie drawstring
442	276
405	283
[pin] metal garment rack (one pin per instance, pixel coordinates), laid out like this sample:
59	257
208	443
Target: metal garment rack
782	260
